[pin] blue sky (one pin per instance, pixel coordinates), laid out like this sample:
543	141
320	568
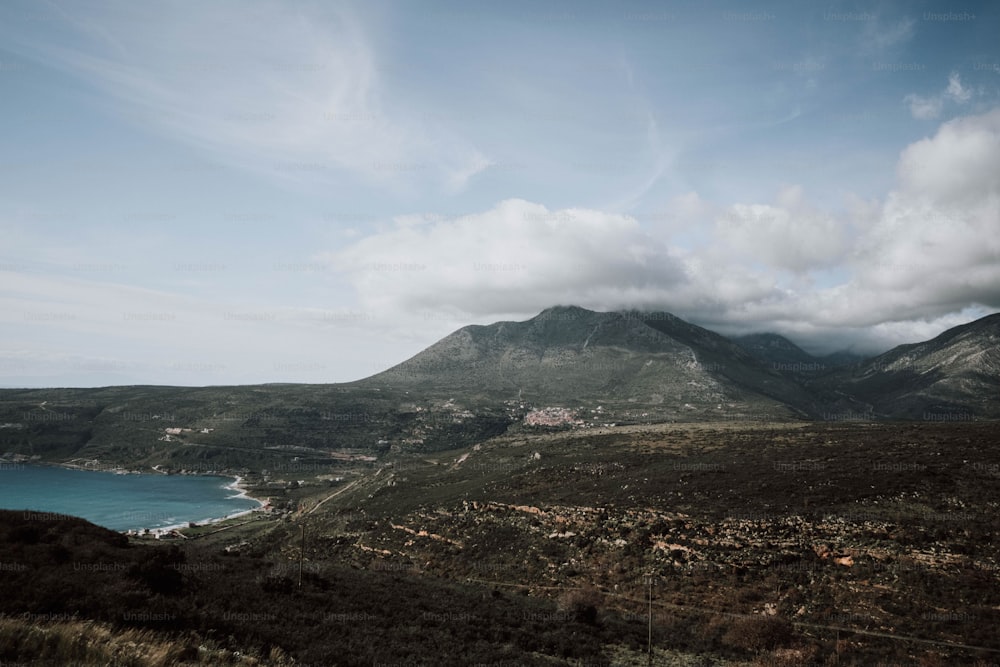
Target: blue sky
208	193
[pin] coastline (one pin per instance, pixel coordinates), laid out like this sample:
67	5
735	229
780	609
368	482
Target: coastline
236	485
243	492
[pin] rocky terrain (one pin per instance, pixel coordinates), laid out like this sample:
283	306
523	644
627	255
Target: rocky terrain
860	542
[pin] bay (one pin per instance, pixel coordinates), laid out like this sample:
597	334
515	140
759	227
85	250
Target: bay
121	502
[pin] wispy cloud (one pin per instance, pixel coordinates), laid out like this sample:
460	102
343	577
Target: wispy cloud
930	108
459	177
880	36
956	91
270	88
660	159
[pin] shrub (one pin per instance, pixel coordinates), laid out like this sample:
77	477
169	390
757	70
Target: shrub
759	633
582	604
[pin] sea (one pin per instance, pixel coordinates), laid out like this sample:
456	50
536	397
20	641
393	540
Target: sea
122	501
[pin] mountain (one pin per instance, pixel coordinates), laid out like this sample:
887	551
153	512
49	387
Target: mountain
664	367
784	356
573	357
842	358
566	365
953	377
779	353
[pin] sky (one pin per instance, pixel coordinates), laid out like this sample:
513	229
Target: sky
240	192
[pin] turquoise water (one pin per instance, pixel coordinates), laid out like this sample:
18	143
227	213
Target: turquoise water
120	502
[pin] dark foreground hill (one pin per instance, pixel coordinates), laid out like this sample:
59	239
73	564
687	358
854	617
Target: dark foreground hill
74	593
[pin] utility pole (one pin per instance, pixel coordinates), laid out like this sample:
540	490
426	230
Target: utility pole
302	552
649	630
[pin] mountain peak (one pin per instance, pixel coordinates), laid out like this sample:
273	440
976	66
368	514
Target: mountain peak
646	363
565	313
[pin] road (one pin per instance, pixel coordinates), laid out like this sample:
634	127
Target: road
332	495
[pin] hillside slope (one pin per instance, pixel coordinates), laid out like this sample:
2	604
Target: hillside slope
952	377
575	357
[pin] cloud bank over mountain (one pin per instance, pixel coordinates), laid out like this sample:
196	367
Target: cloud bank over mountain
929	250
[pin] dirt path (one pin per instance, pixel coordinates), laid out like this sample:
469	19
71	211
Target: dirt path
333	495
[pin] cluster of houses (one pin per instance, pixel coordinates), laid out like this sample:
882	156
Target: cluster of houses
178	431
552	417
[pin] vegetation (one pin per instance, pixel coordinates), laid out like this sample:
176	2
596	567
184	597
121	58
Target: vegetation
778	544
65	576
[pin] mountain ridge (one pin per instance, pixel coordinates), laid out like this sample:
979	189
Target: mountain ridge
954	376
565	367
764	371
567	354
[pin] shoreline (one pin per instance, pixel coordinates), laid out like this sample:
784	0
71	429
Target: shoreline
236	485
244	492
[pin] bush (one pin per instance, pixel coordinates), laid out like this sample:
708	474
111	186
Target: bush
158	571
759	633
582	604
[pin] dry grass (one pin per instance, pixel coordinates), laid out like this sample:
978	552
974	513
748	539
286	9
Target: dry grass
91	643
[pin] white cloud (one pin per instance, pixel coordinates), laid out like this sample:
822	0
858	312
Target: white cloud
684	219
960	164
936	246
791	235
520	257
690	205
956	91
930	255
879	37
924	108
516	257
929	108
